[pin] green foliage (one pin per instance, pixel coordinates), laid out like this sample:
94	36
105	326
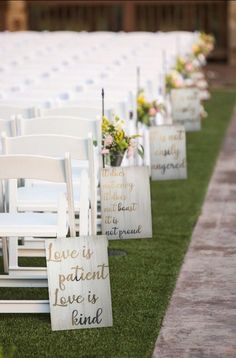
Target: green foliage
142	282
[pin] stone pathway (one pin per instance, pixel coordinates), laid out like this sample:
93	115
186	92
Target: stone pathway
201	319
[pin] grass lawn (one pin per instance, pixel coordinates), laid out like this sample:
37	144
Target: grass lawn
142	282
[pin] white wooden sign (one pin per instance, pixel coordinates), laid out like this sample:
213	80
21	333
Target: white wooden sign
126	203
186	108
168	152
78	282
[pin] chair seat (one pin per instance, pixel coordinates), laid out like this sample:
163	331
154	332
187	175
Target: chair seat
42	198
31	224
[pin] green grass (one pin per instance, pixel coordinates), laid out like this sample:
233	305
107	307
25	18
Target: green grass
142	282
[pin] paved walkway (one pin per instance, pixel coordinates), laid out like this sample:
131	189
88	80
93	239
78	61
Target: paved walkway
201	318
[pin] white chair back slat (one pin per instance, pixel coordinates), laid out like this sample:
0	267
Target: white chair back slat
32	167
48	145
73	126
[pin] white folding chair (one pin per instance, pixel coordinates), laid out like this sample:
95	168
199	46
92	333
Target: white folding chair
43	198
14	225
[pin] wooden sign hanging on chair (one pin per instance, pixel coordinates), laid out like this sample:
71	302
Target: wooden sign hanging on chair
78	282
186	108
168	152
126	203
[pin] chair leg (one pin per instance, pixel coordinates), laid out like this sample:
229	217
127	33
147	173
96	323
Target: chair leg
5	254
12	253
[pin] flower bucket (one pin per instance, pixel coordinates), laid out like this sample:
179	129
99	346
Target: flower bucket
115	142
116	159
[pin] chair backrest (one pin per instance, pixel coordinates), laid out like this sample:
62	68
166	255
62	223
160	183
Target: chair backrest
42	168
74	111
113	105
9	112
63	125
49	145
119	106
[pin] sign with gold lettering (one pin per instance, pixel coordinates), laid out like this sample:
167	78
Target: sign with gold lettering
168	152
79	282
186	108
126	203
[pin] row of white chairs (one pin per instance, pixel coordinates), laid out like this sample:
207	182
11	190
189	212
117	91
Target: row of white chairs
54	136
14	225
50	104
91	58
37	210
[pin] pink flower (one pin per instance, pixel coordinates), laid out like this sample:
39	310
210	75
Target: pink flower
108	140
152	112
189	67
178	82
105	151
133	144
130	152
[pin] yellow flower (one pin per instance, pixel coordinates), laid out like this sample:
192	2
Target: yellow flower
119	136
105	124
141	99
195	48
